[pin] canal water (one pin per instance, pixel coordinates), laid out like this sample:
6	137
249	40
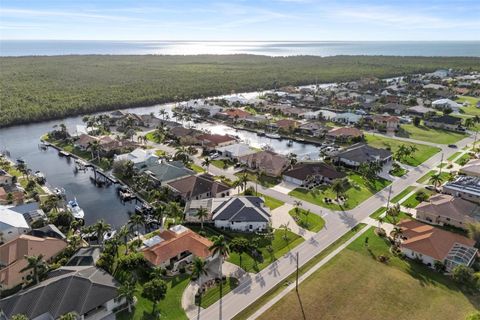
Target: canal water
103	203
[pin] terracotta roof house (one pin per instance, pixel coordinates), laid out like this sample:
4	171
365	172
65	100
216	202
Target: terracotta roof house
84	141
88	291
315	129
284	124
445	122
12	256
215	140
266	162
308	175
12	224
199	187
360	153
234	114
344	134
17	193
176	247
386	122
430	244
444	209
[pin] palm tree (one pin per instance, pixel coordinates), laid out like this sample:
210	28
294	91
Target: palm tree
202	213
396	233
243	180
101	227
239	245
135	221
69	316
297	204
292	158
206	163
340	186
394	212
436	179
37	265
94	147
127	290
174	210
285	227
199	269
220	249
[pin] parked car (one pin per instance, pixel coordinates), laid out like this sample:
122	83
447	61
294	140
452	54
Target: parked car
452	146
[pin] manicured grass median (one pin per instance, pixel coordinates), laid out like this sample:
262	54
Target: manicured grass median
463	159
453	156
354	285
426	177
378	213
424	152
309	221
402	194
427	134
279	247
360	191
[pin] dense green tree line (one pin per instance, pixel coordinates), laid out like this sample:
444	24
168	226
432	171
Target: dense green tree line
42	88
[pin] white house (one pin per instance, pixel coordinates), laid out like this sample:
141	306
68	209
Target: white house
446	103
236	151
347	118
141	158
12	224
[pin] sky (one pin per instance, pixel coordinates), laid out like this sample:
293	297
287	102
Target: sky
240	20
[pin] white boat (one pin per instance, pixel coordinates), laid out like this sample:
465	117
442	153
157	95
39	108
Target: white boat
59	192
273	135
75	209
40	177
109	235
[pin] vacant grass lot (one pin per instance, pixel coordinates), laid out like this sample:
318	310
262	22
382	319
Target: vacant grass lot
349	287
431	135
402	194
279	246
471	109
262	180
424	152
360	191
309	221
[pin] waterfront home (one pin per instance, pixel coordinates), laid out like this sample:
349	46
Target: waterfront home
284	125
140	158
6	179
12	224
429	244
311	174
465	187
445	122
255	121
199	187
205	107
176	248
242	213
386	122
327	115
420	111
212	141
315	129
347	118
13	253
89	292
394	108
444	209
236	151
266	162
344	134
443	104
164	172
11	194
84	140
233	114
295	112
184	136
31	211
361	153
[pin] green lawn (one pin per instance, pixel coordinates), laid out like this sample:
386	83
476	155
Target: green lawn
196	168
312	222
453	156
360	191
400	217
213	294
426	177
412	201
431	135
170	307
222	164
349	287
424	152
160	153
471	109
378	213
402	194
263	180
252	308
270	202
399	172
279	246
463	159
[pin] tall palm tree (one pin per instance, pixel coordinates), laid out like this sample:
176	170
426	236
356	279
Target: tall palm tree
94	147
135	221
243	180
36	264
339	187
174	210
123	233
297	204
220	249
202	213
127	290
101	227
206	163
436	179
285	227
199	269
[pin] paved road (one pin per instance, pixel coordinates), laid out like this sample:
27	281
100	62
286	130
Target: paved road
337	224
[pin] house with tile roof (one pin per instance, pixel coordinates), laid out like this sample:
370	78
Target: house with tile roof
344	134
176	247
266	162
88	291
444	209
212	141
312	174
12	256
199	187
430	244
242	213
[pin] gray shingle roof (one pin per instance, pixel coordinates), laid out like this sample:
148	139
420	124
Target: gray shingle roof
364	153
77	289
240	209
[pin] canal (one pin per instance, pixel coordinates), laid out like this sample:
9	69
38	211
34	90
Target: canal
102	203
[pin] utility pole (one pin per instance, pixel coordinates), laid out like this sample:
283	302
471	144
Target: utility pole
441	165
389	195
296	282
